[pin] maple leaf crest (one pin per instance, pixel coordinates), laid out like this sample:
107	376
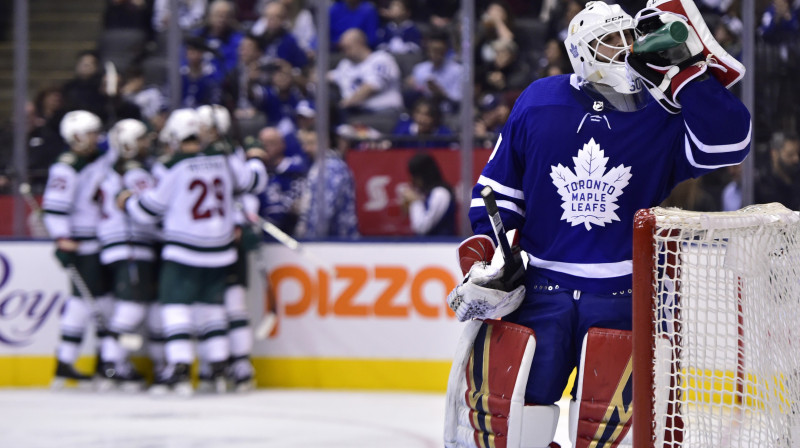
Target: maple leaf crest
590	193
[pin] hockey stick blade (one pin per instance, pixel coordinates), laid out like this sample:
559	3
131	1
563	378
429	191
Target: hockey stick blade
264	328
489	201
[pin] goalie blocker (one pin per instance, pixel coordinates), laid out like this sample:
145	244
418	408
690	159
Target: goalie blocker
486	390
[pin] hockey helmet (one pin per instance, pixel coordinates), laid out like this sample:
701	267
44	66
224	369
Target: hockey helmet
593	28
76	124
215	117
125	135
181	125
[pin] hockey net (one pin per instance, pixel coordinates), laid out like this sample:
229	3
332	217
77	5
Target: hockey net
716	343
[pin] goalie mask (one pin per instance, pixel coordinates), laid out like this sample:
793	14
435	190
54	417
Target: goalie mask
597	40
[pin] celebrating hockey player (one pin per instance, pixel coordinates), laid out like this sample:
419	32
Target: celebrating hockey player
216	122
71	213
194	200
578	156
129	252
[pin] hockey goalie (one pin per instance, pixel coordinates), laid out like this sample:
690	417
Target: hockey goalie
578	156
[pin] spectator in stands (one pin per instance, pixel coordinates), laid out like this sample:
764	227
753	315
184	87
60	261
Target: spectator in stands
221	36
280	201
496	26
439	76
728	33
779	24
399	34
129	14
44	141
553	56
279	43
243	81
297	20
348	14
691	195
278	99
329	212
305	116
369	83
199	81
149	99
85	90
780	181
430	201
731	198
493	113
190	14
424	128
506	72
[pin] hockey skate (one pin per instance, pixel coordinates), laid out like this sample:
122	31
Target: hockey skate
174	378
240	375
66	373
122	376
212	378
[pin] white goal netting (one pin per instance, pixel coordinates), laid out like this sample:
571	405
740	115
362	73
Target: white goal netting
726	333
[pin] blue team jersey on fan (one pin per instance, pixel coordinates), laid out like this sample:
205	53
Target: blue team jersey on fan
571	173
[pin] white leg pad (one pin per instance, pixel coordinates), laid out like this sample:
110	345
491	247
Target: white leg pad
538	426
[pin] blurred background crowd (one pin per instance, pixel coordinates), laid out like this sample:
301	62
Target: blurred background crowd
395	73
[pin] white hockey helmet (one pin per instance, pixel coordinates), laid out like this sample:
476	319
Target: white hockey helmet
215	117
587	32
124	137
181	125
77	124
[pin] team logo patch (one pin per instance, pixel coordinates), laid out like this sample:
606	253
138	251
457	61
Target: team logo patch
574	50
590	193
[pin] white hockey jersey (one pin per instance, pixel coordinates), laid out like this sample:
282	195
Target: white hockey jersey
380	71
194	199
70	203
121	237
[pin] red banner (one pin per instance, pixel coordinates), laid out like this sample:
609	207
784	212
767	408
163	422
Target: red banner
381	175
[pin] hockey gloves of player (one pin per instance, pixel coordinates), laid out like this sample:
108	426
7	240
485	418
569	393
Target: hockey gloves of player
666	72
66	251
487	292
66	258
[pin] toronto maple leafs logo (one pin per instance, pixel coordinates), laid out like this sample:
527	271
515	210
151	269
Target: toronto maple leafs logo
590	193
574	50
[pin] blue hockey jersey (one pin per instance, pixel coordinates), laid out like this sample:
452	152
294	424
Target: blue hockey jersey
571	173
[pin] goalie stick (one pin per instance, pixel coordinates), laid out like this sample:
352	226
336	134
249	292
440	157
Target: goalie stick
129	341
512	259
270	319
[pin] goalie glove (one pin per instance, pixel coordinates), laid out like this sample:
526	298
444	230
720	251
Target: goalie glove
487	292
666	72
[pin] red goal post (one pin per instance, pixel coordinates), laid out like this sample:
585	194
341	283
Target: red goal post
716	328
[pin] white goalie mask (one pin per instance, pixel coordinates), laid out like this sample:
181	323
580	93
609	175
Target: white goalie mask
593	29
125	135
76	124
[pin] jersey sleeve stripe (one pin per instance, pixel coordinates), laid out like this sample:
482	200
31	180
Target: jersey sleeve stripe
727	161
508	205
502	189
717	149
55	212
586	270
151	207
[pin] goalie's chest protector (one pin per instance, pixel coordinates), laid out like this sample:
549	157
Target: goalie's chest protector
584	170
